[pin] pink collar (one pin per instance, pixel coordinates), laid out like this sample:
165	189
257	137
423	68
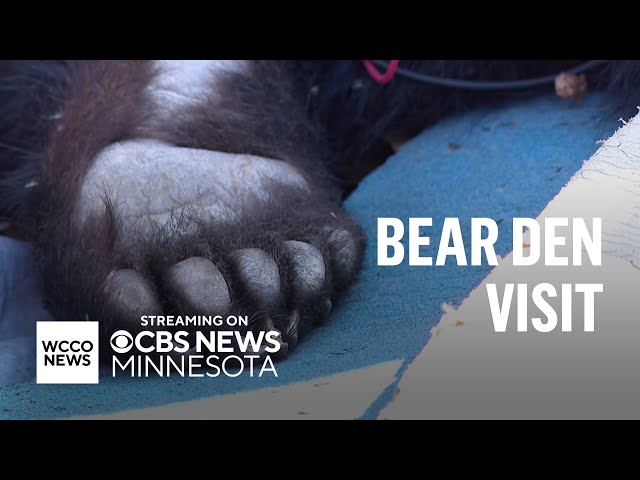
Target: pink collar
381	78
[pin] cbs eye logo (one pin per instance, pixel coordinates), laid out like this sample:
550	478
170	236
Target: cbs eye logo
121	341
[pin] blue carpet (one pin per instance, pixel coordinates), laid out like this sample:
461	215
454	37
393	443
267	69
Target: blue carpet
500	164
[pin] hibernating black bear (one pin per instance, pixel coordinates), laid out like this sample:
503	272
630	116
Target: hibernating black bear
215	186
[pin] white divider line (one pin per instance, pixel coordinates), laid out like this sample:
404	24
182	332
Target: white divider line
467	370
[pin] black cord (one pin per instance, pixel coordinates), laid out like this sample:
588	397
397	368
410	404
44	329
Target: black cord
488	85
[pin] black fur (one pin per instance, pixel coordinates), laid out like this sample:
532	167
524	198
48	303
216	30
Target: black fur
359	116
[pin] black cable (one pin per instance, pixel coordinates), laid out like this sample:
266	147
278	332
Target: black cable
489	85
